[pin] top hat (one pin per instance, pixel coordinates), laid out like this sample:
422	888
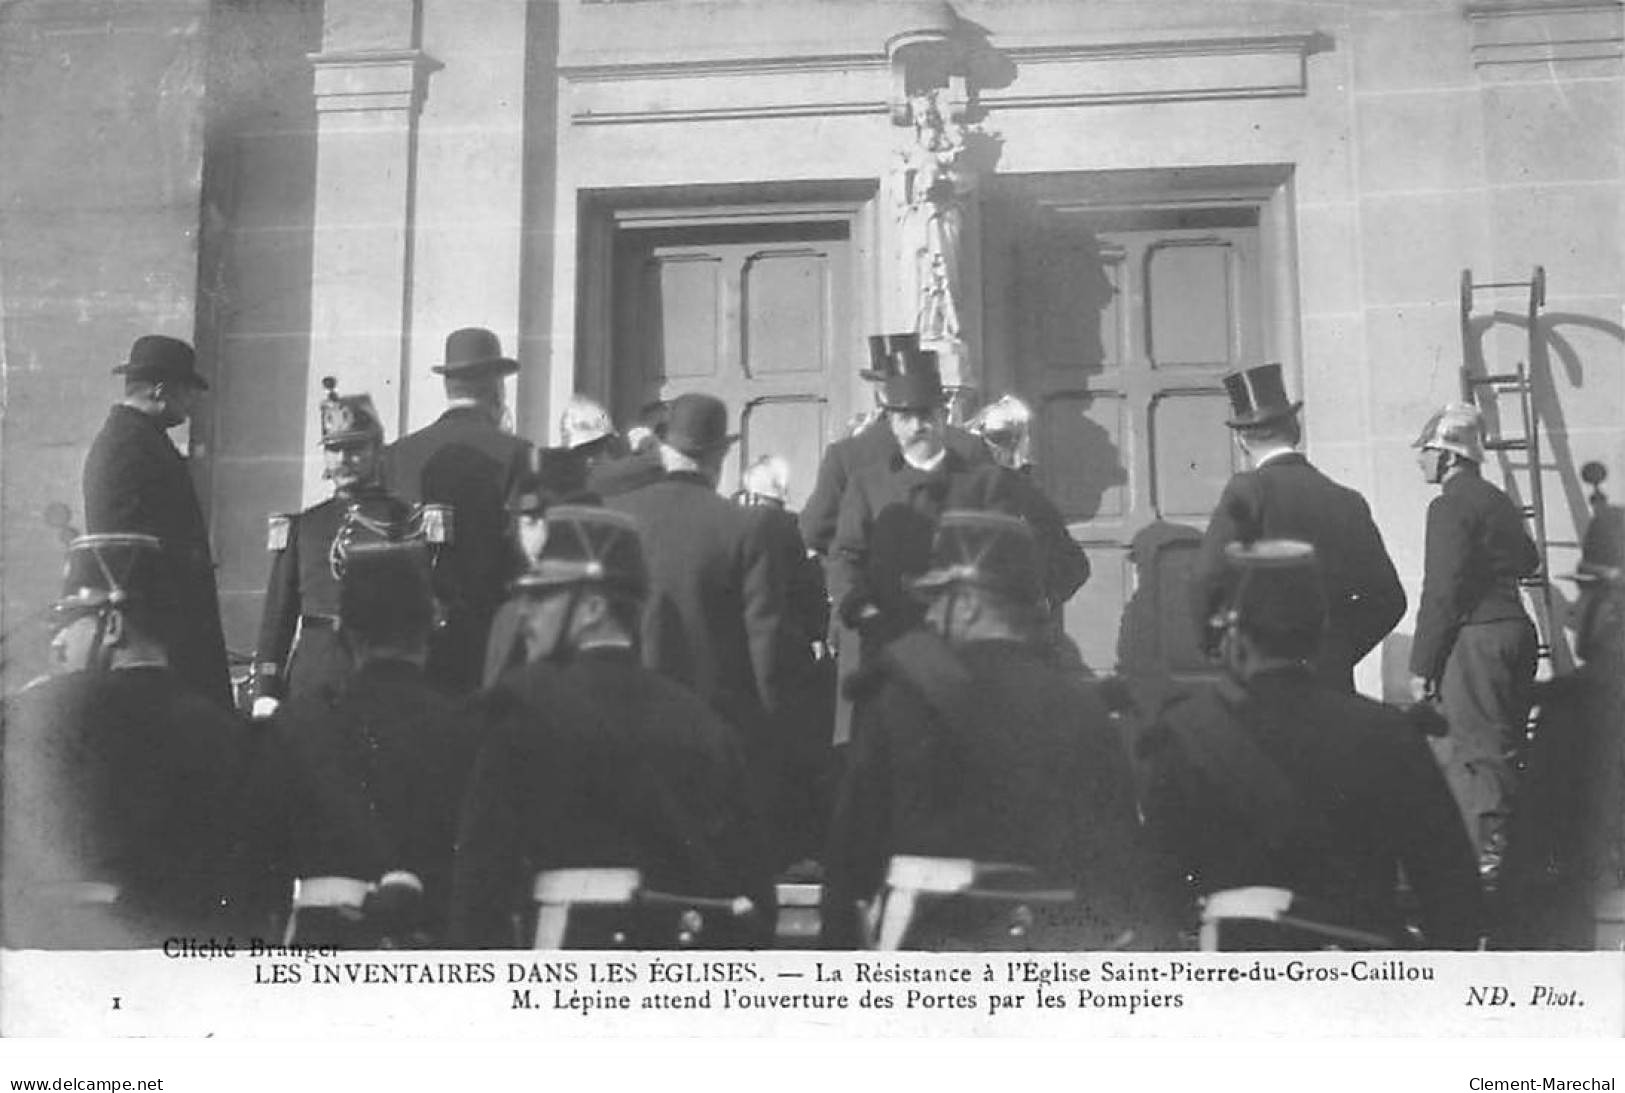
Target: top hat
1258	396
108	570
560	476
158	359
1456	427
588	545
348	419
914	382
1275	586
986	549
386	588
697	424
473	352
881	348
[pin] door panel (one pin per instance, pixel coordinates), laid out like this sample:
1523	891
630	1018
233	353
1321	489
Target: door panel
754	316
1122	323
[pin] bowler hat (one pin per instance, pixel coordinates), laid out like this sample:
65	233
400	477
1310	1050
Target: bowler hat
348	419
1258	396
914	382
588	545
881	348
108	570
158	359
987	549
473	352
697	424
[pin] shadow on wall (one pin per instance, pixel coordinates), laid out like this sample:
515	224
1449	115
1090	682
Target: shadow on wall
1501	418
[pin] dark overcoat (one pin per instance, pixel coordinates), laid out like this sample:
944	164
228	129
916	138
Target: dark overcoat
463	460
136	481
1287	498
1291	784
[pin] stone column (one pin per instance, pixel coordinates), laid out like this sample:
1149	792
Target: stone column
369	83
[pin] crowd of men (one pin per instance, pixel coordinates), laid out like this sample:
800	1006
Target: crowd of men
506	696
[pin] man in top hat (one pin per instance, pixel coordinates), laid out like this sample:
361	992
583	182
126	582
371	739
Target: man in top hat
466	459
363	788
868	444
1282	496
967	743
890	509
1270	778
591	760
136	481
300	650
560	477
121	781
1474	648
1005	426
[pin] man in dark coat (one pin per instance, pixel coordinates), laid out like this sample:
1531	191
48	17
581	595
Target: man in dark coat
1283	497
1270	778
300	651
357	793
890	509
136	481
592	761
466	460
968	744
1475	646
122	783
716	617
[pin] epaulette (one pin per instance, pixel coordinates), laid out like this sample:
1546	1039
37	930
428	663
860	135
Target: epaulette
278	528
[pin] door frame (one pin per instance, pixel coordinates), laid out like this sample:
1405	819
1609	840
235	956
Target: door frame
606	214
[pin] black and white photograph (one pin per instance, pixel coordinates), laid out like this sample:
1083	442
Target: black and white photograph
811	518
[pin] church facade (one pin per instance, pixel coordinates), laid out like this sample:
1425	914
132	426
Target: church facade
1101	207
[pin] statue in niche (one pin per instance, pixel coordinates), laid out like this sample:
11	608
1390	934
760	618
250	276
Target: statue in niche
934	183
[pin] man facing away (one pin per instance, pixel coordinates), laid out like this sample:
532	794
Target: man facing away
1282	496
590	760
467	460
1272	779
968	743
135	481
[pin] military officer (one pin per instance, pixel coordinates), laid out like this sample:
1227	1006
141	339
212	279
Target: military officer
300	650
1283	496
466	459
590	760
1475	647
135	481
357	792
967	743
1270	778
122	783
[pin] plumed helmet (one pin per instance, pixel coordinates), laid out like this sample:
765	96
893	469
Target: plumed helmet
1457	428
986	549
588	545
348	419
1006	426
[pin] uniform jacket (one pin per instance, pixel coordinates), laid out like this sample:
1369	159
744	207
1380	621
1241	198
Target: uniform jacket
875	443
1287	498
888	517
126	778
601	762
1291	784
1477	548
136	481
367	783
465	461
302	585
716	616
990	754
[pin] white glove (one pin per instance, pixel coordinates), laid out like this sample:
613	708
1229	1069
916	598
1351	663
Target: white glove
264	706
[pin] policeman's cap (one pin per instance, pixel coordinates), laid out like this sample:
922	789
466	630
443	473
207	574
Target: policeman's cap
110	570
1276	588
985	549
588	545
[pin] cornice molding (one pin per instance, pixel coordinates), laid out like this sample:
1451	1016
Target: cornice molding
1582	36
363	81
1171	70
